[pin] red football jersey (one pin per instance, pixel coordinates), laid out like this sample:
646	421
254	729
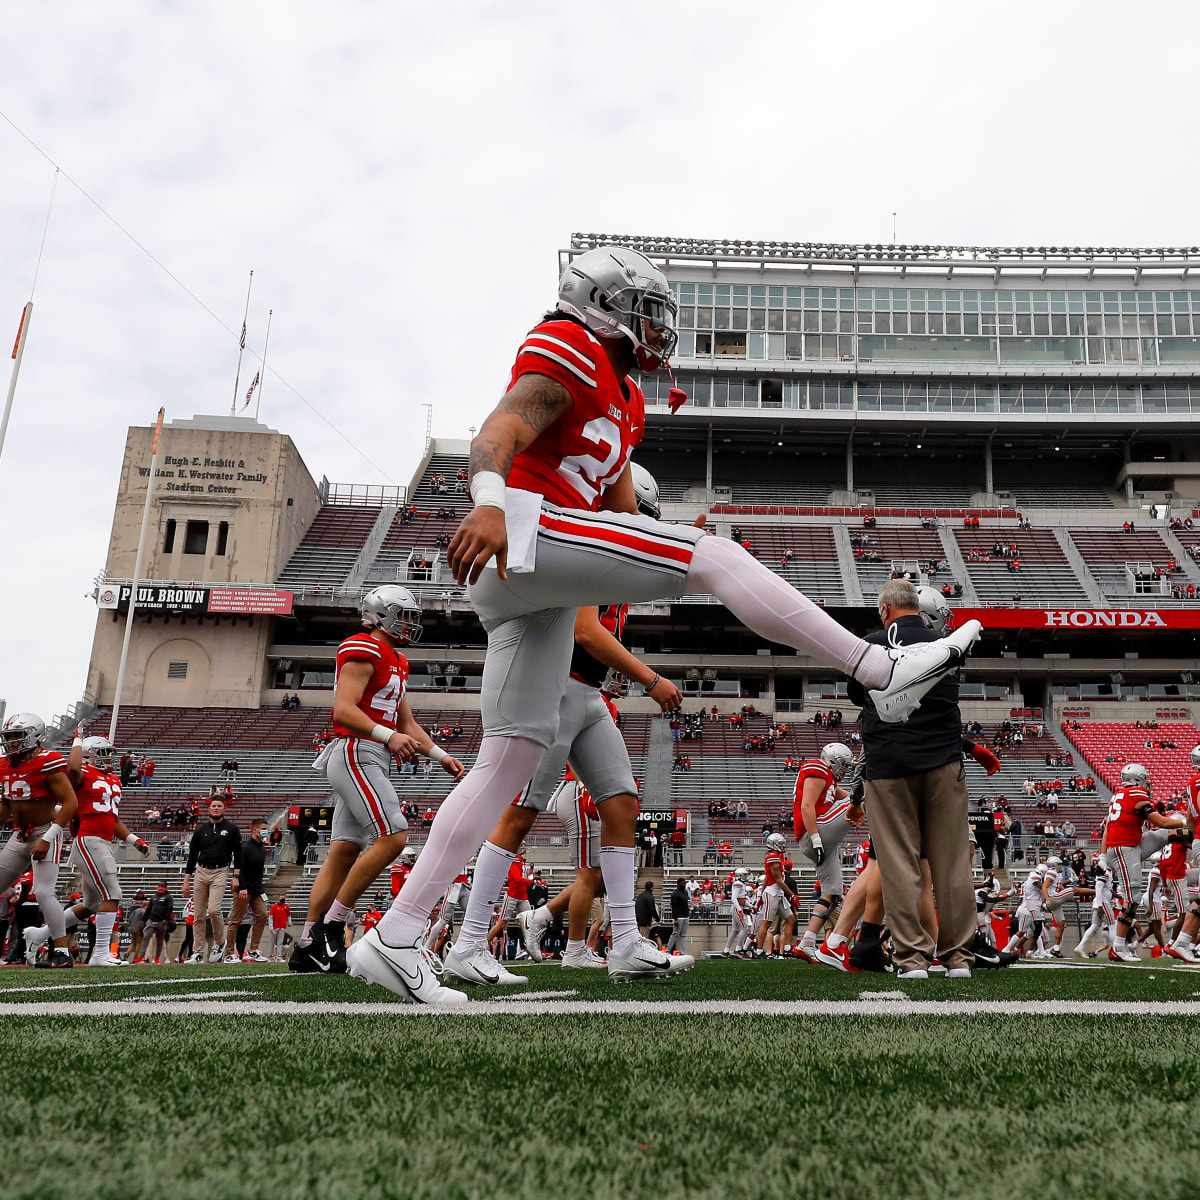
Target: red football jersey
399	875
518	883
1172	863
1126	820
774	859
585	451
387	685
862	858
814	768
1193	801
28	781
99	797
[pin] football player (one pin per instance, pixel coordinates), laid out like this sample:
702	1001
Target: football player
1129	812
987	895
740	927
1057	890
823	814
580	817
36	795
91	772
1103	918
1183	946
587	736
1030	913
372	724
401	868
776	895
555	527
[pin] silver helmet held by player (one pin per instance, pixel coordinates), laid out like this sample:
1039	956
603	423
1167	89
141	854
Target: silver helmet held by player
645	488
99	752
776	843
838	758
617	293
1135	775
935	610
408	855
1196	757
395	610
23	733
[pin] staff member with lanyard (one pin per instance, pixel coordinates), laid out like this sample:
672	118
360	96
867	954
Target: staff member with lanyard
215	845
916	794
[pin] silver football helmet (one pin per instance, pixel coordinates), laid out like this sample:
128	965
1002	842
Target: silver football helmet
838	758
614	291
775	843
1135	775
23	733
395	610
99	752
741	873
408	855
1053	863
1196	757
645	488
935	610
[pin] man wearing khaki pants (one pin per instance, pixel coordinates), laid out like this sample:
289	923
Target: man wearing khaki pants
916	794
215	844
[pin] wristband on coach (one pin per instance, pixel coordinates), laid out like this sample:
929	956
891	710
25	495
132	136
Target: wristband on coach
488	488
381	733
435	753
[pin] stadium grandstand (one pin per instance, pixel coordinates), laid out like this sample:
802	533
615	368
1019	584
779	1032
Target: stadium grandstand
1013	426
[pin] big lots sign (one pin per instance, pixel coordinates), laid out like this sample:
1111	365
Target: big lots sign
1081	618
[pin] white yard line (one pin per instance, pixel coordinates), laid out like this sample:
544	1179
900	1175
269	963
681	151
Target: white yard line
104	981
627	1008
194	996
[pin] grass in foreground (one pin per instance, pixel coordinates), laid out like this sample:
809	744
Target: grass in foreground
607	1106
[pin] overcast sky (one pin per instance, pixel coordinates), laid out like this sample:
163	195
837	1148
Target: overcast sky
400	177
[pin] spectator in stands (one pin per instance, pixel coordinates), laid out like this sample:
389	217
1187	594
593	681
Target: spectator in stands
295	701
677	764
743	811
788	556
676	727
710	851
127	769
286	702
869	521
1068	829
153	816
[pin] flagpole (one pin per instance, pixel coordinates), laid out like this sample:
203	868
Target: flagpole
262	382
241	347
133	588
18	353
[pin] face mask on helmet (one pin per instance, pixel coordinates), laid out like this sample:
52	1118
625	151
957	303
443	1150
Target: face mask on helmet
394	610
99	752
838	758
620	293
645	489
1196	757
22	734
935	611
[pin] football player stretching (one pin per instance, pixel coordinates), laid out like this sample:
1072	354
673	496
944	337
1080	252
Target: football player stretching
555	527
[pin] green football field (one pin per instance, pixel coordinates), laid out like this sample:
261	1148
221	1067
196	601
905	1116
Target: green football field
738	1079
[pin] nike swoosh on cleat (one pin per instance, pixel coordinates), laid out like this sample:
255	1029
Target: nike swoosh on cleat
320	965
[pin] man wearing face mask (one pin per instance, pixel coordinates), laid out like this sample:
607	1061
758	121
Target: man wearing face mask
160	913
916	794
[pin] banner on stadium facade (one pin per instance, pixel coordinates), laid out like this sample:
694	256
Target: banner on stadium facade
1081	618
249	600
172	598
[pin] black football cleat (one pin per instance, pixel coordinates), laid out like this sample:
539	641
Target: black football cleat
304	960
333	940
57	959
871	956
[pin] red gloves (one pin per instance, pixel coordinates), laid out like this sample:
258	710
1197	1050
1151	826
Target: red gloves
985	758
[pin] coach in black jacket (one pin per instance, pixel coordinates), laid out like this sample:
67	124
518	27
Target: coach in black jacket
215	844
916	793
249	890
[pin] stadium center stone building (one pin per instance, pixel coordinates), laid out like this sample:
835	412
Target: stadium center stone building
960	398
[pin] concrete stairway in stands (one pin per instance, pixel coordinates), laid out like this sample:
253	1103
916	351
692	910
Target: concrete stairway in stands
656	785
1175	544
1080	567
958	567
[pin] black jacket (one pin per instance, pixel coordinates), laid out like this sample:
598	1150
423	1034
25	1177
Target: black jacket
930	738
644	908
254	866
214	846
681	904
160	908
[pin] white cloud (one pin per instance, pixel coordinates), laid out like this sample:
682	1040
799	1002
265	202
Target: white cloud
400	177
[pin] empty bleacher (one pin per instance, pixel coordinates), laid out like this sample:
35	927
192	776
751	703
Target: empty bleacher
448	466
931	495
329	547
814	570
1106	551
1062	497
1045	577
423	530
898	543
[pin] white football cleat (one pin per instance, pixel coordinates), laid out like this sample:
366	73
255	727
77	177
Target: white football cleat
915	973
531	935
1124	956
1183	953
408	971
642	959
587	957
35	939
916	668
479	966
106	960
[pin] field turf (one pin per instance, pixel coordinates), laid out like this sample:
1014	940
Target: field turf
673	1100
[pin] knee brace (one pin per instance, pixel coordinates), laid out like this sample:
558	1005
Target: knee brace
1129	913
1194	909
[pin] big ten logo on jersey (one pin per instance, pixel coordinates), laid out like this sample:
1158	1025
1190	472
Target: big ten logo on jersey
615	412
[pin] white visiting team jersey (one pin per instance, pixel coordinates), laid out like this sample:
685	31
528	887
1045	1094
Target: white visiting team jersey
1104	889
1031	893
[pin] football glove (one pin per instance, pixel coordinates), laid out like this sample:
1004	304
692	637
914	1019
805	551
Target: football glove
818	848
985	758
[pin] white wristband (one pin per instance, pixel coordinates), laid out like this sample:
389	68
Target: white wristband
436	754
381	733
52	834
487	488
132	839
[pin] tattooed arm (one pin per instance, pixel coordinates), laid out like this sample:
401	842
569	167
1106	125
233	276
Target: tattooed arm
530	406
